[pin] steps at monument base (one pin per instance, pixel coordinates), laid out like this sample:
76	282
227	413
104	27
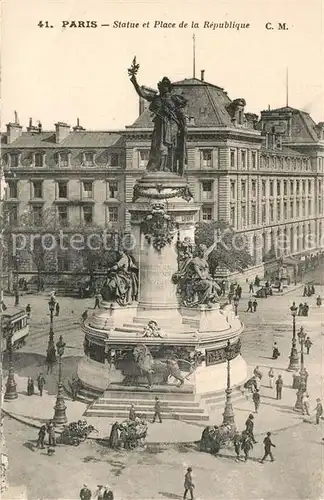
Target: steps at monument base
168	392
120	402
85	395
108	409
213	401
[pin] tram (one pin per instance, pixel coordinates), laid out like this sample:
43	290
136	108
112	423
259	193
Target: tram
17	319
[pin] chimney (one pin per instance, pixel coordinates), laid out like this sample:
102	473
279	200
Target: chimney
14	130
40	128
31	127
202	75
61	131
77	127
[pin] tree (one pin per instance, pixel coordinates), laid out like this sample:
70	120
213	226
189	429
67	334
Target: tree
230	249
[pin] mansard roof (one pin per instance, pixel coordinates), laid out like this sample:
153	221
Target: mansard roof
75	139
303	127
207	105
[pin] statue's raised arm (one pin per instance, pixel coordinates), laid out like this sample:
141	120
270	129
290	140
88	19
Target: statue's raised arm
143	92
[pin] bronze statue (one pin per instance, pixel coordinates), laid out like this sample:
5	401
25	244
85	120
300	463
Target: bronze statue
195	285
168	146
121	285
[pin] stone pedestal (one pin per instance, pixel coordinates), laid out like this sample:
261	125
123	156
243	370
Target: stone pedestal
161	209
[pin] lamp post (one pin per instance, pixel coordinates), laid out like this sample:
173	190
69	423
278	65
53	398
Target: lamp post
236	301
293	358
11	388
228	415
17	281
60	417
51	353
302	373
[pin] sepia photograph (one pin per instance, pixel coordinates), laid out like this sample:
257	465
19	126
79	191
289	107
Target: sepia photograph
162	250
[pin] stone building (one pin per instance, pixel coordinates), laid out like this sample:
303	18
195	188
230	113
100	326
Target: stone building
264	176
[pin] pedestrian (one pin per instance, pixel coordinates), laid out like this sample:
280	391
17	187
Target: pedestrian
308	344
257	372
57	309
271	377
75	387
306	405
305	291
250	305
267	447
40	383
246	444
249	426
85	493
305	309
132	414
239	291
114	436
157	410
30	387
251	289
275	351
237	441
300	309
279	385
256	400
41	437
51	434
319	410
84	315
28	310
255	305
188	484
97	301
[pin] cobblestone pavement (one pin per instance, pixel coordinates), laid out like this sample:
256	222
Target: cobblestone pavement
158	473
148	474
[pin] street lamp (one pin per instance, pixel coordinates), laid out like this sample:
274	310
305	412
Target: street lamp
293	358
60	417
302	374
11	391
236	301
17	281
228	415
51	353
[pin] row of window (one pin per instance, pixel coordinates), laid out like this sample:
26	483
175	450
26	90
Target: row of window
284	163
87	189
63	159
275	188
37	214
239	159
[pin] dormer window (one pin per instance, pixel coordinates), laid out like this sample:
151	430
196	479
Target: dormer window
39	159
88	159
14	159
64	159
114	160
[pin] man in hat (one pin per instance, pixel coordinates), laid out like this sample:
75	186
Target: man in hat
308	344
267	447
41	437
318	410
40	383
249	426
256	400
188	484
250	305
279	385
132	414
157	410
85	493
237	441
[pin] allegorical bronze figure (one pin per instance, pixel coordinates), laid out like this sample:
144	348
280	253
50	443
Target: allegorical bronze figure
168	146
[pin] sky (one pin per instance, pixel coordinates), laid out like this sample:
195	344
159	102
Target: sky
59	74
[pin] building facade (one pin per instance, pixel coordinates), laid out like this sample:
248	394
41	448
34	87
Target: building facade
263	176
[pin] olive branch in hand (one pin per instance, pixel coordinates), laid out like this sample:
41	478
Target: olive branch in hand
133	70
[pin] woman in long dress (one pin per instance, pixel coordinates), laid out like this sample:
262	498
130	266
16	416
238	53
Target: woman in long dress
30	386
114	436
